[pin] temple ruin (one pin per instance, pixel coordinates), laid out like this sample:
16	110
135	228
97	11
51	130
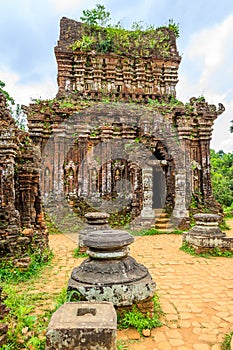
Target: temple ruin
22	226
114	139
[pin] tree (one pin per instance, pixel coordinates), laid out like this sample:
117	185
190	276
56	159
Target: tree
222	177
15	109
9	100
97	16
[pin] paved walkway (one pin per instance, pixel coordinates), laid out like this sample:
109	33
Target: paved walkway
196	294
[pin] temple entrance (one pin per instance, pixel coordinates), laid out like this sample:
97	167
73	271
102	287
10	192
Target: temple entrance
158	188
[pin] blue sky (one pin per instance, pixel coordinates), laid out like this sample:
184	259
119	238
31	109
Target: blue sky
29	31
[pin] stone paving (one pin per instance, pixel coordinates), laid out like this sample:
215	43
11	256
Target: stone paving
196	294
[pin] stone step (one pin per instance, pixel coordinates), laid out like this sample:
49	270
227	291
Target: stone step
160	226
162	220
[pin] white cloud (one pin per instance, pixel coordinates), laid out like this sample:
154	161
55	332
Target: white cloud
222	139
22	94
209	56
213	49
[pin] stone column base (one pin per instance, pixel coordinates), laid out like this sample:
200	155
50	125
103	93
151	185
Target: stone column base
83	326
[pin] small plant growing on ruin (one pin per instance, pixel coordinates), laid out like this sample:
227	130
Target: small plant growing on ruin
101	36
26	327
78	254
12	274
139	321
215	252
97	16
174	27
121	345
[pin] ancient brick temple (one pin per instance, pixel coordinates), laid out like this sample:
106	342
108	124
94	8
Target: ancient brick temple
22	228
115	138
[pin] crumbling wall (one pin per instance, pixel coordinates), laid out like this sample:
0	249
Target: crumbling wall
22	227
129	69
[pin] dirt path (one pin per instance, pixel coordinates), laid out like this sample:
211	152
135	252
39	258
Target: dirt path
196	294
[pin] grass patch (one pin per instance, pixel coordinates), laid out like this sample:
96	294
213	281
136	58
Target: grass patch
226	344
27	328
213	253
228	212
12	274
138	321
51	226
121	345
78	254
224	226
154	231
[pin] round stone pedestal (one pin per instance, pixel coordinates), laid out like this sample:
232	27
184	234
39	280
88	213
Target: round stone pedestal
206	235
110	274
95	221
207	226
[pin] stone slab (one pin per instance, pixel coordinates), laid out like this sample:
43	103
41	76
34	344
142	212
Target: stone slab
83	326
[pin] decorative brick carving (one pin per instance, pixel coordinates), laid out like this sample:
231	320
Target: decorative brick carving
22	228
97	152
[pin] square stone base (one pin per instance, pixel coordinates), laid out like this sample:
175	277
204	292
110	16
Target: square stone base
83	326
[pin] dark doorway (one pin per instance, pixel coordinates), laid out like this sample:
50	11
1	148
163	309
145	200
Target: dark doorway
159	188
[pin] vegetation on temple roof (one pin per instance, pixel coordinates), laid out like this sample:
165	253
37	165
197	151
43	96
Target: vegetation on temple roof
100	36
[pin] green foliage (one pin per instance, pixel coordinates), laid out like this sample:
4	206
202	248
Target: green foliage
228	211
226	344
214	252
26	327
51	225
10	101
231	127
222	177
166	105
224	226
118	219
77	254
12	274
97	16
15	109
137	320
121	345
154	231
103	37
65	104
174	27
85	44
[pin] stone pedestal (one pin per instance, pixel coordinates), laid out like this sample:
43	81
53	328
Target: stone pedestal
83	326
207	235
110	274
95	221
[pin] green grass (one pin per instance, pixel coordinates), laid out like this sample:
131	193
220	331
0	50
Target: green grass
12	274
51	226
226	344
121	345
138	321
27	329
215	252
77	254
154	231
